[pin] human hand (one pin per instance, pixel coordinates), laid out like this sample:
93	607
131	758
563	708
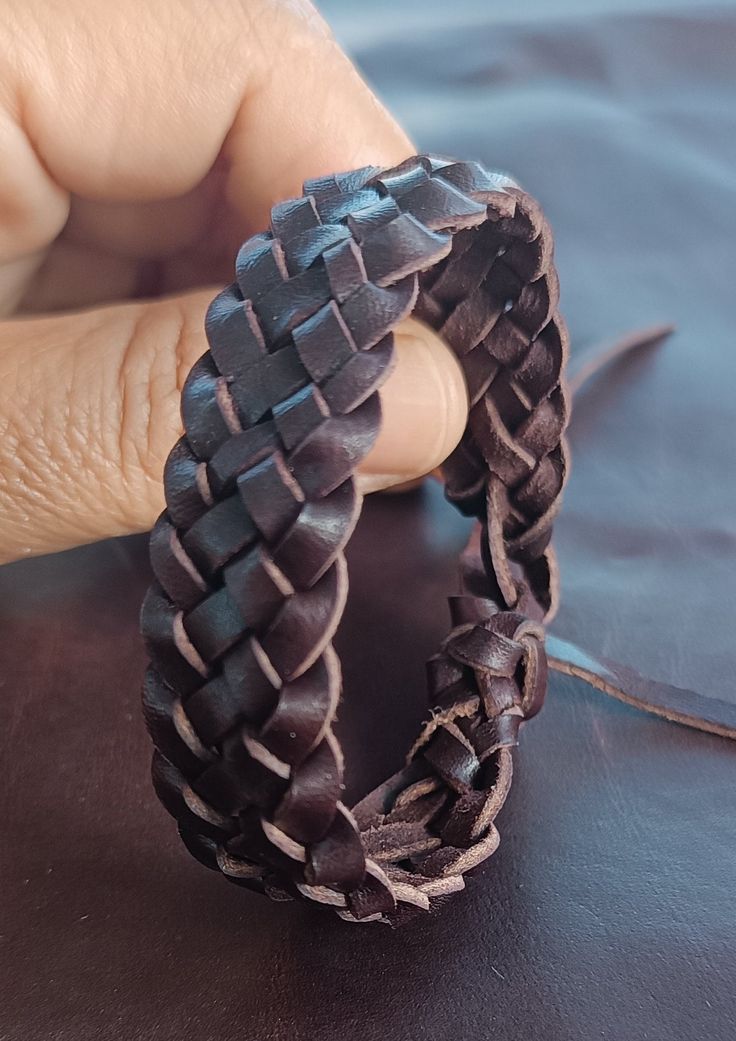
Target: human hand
142	143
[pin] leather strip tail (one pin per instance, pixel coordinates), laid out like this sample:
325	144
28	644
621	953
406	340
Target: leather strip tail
676	704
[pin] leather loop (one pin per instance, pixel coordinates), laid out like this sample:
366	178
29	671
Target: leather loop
251	580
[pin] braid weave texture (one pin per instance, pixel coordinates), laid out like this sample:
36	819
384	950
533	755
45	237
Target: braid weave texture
248	556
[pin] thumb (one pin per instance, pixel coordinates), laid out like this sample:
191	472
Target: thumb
90	408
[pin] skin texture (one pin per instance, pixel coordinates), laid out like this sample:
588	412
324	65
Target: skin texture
141	144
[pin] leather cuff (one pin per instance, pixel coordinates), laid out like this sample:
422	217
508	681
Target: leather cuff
251	580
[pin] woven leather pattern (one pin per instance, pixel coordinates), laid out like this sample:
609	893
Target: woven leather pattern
248	556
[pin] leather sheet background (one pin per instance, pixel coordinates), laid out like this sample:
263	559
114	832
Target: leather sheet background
608	910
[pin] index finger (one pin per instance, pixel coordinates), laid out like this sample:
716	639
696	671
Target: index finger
132	101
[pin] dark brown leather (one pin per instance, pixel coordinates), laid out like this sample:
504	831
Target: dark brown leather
244	684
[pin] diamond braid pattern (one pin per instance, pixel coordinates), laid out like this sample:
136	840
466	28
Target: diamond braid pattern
248	556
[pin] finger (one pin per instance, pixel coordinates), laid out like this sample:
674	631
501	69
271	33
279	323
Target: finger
314	115
145	115
425	409
90	408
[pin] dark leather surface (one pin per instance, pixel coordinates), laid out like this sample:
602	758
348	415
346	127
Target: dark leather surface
608	910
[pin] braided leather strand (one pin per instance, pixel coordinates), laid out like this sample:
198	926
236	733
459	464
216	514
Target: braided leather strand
250	574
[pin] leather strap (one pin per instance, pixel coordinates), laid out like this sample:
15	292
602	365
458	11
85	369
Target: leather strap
248	556
584	365
678	705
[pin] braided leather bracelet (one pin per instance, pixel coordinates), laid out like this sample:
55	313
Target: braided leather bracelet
248	556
